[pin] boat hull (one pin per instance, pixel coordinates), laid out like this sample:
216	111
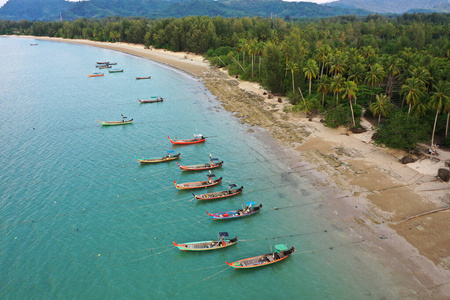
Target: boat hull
200	167
204	245
196	185
218	195
261	260
187	142
158	160
115	123
233	214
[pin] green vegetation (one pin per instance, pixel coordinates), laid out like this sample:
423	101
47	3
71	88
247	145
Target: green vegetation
394	69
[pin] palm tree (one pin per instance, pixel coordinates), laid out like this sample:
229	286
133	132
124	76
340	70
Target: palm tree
350	89
337	84
310	71
259	52
357	73
412	90
243	45
323	87
322	56
382	106
291	65
251	51
423	75
375	75
393	70
337	63
439	101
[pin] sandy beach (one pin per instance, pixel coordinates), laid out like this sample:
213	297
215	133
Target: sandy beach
401	211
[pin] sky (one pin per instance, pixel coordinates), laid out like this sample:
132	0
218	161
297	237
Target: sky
315	1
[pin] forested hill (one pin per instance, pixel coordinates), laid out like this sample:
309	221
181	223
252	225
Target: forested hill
390	6
49	10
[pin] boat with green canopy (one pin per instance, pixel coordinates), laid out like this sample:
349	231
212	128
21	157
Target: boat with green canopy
281	252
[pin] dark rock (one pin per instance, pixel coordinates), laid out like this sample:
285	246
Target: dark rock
444	174
447	162
280	100
265	93
357	130
407	159
270	96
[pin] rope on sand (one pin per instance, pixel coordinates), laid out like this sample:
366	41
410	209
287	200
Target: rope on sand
425	213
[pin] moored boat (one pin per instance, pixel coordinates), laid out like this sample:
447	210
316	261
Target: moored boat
248	210
115	71
105	67
198	138
152	100
222	194
170	156
114	123
96	74
213	163
281	252
221	243
198	184
102	62
148	77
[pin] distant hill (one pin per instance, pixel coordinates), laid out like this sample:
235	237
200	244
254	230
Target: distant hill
50	9
33	9
390	6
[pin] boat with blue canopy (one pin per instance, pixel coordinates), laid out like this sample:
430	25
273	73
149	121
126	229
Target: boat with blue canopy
248	210
169	156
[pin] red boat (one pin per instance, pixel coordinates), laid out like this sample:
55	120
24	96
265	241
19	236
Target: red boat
198	138
213	163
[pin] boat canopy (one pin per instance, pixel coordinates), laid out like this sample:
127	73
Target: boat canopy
214	159
281	247
170	151
210	175
250	203
198	135
223	234
232	186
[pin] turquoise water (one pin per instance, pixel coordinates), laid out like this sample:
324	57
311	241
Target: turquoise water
81	218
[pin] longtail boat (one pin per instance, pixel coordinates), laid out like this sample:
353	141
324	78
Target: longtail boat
248	210
221	243
115	71
281	252
222	194
170	156
152	100
213	163
138	78
114	123
105	67
102	62
112	64
198	184
198	138
96	74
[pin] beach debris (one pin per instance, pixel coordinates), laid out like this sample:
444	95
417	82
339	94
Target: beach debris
444	174
407	159
447	163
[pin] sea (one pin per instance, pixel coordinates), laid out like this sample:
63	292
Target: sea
81	218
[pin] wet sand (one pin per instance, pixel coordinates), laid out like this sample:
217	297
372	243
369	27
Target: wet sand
401	211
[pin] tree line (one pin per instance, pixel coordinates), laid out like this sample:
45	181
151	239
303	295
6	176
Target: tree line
392	69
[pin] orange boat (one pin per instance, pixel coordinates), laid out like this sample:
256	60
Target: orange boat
96	74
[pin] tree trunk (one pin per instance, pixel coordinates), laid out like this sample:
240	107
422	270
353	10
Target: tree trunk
353	114
310	79
293	87
252	64
323	99
409	109
446	126
304	102
434	127
321	72
379	118
259	66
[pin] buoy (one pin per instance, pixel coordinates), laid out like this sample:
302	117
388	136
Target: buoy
156	238
99	254
275	208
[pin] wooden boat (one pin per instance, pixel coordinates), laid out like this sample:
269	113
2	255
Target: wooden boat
115	70
33	44
102	62
198	184
212	165
222	194
221	243
238	213
114	123
105	67
152	100
170	156
281	252
138	78
112	64
198	138
96	74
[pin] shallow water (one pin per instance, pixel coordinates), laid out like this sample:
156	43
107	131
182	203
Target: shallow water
81	218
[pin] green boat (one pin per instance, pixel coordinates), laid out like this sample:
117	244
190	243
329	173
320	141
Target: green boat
115	70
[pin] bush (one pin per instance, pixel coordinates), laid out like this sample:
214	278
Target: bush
342	116
401	131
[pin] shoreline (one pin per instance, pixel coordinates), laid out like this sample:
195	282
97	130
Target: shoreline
380	193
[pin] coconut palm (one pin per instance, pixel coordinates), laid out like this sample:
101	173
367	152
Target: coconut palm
322	56
350	89
291	65
375	75
412	90
393	69
337	84
323	87
337	63
357	73
423	75
310	71
259	52
439	101
382	106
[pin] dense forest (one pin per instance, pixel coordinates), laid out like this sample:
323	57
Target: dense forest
393	70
